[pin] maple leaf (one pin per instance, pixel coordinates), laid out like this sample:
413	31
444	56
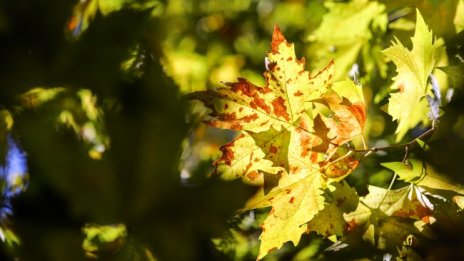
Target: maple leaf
427	180
408	105
292	130
330	220
387	216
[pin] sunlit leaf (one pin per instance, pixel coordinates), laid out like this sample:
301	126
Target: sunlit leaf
408	104
103	239
292	130
459	17
85	10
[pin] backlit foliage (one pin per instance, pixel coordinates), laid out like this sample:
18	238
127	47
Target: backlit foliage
195	130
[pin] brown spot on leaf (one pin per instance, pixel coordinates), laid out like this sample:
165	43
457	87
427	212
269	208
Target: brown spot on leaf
226	106
266	90
253	105
351	225
289	59
253	175
262	104
277	39
227	116
271	66
340	168
359	112
292	199
340	201
243	86
298	93
263	228
250	118
331	63
248	166
227	154
273	149
294	169
279	108
401	87
404	213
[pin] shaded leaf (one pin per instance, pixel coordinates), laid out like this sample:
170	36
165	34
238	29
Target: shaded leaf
355	22
386	216
409	171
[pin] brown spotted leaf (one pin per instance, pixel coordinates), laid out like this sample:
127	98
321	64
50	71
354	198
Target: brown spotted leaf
294	203
330	221
292	130
386	217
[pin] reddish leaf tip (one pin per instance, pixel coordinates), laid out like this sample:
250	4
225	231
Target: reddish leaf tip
277	39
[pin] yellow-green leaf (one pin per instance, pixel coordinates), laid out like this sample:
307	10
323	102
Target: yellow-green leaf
459	17
330	221
292	130
408	171
378	212
344	32
408	104
292	208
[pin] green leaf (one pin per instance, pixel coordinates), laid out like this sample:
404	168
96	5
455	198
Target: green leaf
436	181
459	17
402	24
345	30
409	171
85	11
407	104
108	6
101	239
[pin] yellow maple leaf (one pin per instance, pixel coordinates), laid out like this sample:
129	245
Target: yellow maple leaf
292	130
408	104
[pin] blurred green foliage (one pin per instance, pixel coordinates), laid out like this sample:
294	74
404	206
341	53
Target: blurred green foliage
93	90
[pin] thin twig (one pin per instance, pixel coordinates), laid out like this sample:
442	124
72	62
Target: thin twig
399	145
